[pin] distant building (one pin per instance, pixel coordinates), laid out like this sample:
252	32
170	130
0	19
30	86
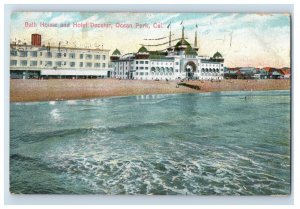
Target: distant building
257	73
40	61
180	61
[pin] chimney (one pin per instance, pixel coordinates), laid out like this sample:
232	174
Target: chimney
36	40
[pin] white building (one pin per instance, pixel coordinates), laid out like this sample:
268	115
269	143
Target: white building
40	61
177	62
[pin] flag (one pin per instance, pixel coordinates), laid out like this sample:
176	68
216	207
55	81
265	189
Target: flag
181	22
196	26
169	25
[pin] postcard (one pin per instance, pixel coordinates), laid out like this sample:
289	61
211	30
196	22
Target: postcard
150	103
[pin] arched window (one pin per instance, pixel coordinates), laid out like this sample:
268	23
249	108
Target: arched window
162	70
152	69
167	70
171	70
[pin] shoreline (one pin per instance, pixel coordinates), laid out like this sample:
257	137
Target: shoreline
83	89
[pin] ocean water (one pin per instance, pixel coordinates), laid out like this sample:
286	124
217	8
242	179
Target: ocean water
188	144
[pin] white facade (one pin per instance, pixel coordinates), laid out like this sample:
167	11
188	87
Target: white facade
171	68
46	60
180	61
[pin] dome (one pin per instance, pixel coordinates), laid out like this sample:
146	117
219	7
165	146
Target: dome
143	50
217	55
190	51
116	52
180	43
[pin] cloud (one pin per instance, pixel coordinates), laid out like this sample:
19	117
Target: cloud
249	34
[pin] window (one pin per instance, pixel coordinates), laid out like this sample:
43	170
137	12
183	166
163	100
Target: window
146	73
88	64
141	73
23	63
103	65
14	53
48	63
97	65
81	56
72	55
146	62
65	54
176	63
41	53
58	55
13	62
137	68
103	57
136	73
146	68
58	63
48	54
41	62
72	64
81	64
33	63
142	62
33	54
23	53
88	56
136	62
141	68
97	57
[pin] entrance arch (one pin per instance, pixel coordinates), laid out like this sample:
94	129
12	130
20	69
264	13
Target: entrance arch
190	68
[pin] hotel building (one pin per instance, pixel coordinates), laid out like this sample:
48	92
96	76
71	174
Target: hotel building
40	61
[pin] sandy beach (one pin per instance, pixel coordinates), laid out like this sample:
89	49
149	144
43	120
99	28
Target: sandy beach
66	89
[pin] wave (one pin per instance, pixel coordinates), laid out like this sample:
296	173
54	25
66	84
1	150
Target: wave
62	133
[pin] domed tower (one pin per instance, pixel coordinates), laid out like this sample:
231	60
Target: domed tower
142	53
218	57
182	44
115	55
183	47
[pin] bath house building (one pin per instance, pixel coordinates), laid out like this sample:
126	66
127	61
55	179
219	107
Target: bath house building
39	61
180	61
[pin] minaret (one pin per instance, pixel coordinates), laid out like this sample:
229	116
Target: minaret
170	48
170	38
182	35
196	48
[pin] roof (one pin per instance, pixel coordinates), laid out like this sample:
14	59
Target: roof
116	52
43	47
285	71
182	42
269	69
188	50
143	50
276	73
217	55
157	55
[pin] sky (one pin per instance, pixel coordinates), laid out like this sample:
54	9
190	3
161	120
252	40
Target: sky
244	39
